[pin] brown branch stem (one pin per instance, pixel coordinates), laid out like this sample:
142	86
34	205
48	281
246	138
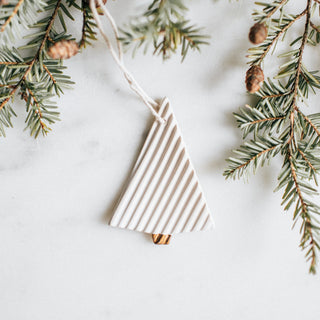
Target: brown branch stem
306	160
82	43
276	95
38	111
303	44
253	158
279	35
9	63
276	8
267	119
298	72
314	27
49	73
305	216
14	12
310	123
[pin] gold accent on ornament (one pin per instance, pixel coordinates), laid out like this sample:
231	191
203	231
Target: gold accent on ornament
161	238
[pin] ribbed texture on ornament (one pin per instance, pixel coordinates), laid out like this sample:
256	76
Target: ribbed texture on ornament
163	195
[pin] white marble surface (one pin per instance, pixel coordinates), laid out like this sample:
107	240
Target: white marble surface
58	257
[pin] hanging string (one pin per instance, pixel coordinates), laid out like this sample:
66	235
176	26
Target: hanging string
118	57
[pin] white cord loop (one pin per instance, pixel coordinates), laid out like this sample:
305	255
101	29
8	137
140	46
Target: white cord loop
149	102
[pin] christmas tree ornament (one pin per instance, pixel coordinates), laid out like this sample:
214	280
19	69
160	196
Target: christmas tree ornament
163	195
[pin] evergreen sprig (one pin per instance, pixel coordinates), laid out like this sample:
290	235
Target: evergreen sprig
16	16
278	126
35	77
163	25
88	26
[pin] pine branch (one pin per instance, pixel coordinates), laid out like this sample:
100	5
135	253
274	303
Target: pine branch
35	78
16	15
296	191
88	25
268	10
163	25
251	155
277	116
37	55
254	120
300	55
259	53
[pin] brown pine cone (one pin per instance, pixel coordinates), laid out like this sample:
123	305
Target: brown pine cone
254	77
63	49
258	33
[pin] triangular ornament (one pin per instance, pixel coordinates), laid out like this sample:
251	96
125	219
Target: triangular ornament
163	196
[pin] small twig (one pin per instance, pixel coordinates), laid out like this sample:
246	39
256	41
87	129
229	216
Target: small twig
9	63
267	119
308	232
11	86
306	160
49	73
314	27
279	35
295	179
252	159
303	43
14	12
310	123
298	72
38	111
84	3
276	95
275	9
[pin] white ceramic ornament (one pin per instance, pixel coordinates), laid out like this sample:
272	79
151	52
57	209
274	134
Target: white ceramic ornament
163	196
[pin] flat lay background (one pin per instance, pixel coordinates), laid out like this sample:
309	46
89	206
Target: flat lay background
59	259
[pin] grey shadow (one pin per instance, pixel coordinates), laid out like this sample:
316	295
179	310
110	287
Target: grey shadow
108	212
107	215
234	60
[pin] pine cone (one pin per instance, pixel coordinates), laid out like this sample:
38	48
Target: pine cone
254	77
258	33
63	49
